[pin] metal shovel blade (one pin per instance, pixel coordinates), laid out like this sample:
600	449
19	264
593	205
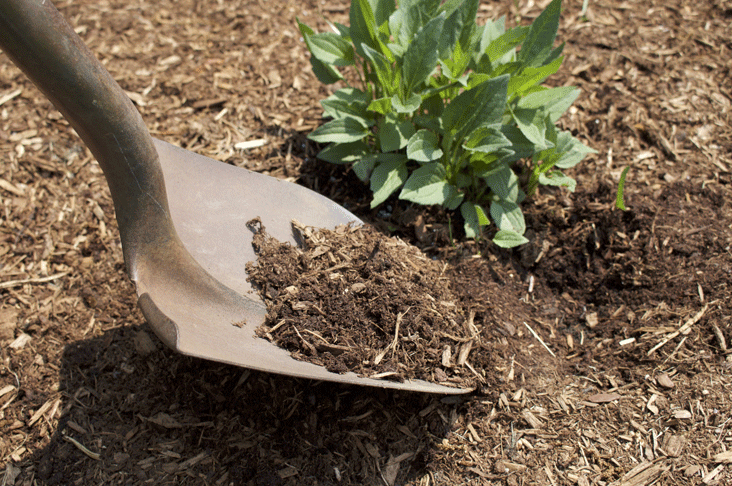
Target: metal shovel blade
182	217
210	203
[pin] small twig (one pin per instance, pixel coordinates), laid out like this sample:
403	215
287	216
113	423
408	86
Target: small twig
681	330
278	325
305	342
720	337
394	341
676	350
540	340
83	449
16	283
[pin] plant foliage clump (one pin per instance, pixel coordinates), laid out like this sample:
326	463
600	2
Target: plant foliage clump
445	107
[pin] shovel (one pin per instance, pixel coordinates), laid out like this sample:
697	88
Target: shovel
182	217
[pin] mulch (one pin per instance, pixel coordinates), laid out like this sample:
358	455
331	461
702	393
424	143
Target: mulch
609	336
352	299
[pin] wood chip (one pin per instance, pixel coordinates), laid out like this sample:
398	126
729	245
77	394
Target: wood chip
682	414
674	445
10	95
209	103
712	474
20	341
165	420
665	381
250	144
15	283
604	397
8	322
724	457
531	419
11	188
642	475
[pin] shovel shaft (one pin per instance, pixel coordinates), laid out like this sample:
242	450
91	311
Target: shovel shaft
38	39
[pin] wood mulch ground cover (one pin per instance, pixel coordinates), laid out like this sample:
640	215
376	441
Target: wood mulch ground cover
608	337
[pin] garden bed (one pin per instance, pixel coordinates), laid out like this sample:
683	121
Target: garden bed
607	337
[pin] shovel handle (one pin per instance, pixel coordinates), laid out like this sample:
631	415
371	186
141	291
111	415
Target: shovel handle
38	39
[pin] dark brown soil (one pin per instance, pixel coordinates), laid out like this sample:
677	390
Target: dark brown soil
631	385
352	299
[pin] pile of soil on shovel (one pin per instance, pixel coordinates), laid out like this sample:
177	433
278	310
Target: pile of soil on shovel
353	299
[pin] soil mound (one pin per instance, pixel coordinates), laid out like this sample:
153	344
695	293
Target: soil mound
353	299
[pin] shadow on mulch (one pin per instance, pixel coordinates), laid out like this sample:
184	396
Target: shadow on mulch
144	409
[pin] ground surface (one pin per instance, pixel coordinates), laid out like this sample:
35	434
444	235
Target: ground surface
632	386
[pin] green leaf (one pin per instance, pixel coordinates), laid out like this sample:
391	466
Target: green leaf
509	239
492	30
532	124
394	134
540	39
304	29
572	150
455	67
482	165
458	26
556	178
553	101
421	56
423	147
532	76
428	185
382	9
387	177
433	106
325	73
486	139
344	153
347	102
620	198
385	72
463	180
364	166
556	53
330	48
506	43
474	217
521	147
396	49
508	216
344	31
410	106
363	25
381	106
429	122
396	26
340	130
504	183
411	16
482	105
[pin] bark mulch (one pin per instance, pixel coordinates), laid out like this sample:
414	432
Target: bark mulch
607	339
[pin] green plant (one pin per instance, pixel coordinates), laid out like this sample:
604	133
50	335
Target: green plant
445	108
620	196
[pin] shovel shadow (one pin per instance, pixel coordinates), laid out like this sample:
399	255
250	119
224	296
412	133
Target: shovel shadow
134	412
